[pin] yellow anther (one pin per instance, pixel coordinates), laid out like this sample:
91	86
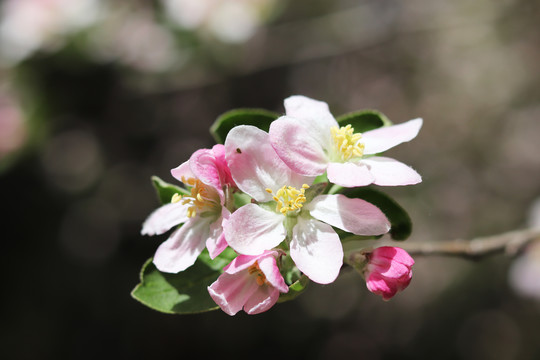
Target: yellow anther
201	198
346	143
260	277
289	198
176	198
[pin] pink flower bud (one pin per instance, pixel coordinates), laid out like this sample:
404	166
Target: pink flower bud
388	271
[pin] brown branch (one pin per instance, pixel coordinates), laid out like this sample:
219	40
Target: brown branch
509	243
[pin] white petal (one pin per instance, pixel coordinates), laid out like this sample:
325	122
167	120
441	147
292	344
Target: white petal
183	247
164	218
381	139
316	250
353	215
315	114
349	174
254	164
390	172
251	229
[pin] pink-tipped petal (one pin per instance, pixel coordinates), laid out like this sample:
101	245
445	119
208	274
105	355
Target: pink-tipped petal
203	165
382	139
261	300
269	267
390	172
164	218
316	250
353	215
183	247
183	172
314	113
349	174
243	262
216	241
231	292
251	229
389	270
221	164
254	164
299	145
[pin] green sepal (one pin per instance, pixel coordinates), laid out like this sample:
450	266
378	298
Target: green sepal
314	190
165	191
398	217
257	117
182	293
295	289
364	120
241	199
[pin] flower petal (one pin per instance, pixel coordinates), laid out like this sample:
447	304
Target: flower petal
164	218
250	230
216	241
243	262
203	166
353	215
254	164
261	300
268	266
315	113
316	250
183	171
300	145
183	246
390	172
384	138
231	292
349	174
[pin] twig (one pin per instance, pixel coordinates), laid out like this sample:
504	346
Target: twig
509	243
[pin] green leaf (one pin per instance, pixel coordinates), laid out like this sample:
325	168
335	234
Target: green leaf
364	120
399	219
182	293
220	261
257	117
295	289
165	191
314	190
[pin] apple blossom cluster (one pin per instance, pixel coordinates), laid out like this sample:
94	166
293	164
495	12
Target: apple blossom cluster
274	199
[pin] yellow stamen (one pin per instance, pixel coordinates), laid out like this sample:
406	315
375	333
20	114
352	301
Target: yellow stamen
347	143
201	199
260	277
289	198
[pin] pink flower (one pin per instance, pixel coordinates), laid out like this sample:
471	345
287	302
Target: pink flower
309	140
283	212
389	270
202	213
249	282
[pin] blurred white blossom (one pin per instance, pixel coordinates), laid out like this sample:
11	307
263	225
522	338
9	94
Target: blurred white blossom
231	21
29	25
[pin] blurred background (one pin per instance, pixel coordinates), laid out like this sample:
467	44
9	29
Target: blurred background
96	96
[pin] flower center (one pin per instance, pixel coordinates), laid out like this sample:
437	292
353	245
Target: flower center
256	270
289	198
346	143
202	197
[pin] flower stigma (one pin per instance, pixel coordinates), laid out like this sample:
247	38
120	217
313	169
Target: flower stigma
201	198
289	198
260	277
347	143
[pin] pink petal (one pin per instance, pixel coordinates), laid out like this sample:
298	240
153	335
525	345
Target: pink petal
231	292
254	164
164	218
268	266
353	215
391	253
183	246
384	138
250	230
349	174
261	300
300	146
203	165
183	171
216	241
390	172
379	285
316	250
221	164
243	262
313	112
